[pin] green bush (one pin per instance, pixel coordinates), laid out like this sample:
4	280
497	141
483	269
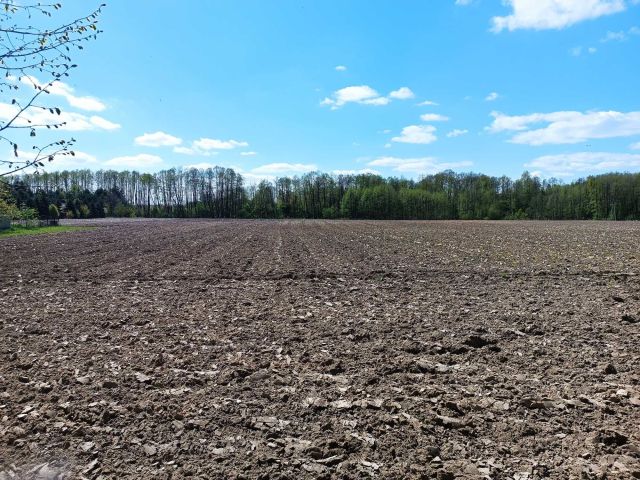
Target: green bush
330	212
123	210
84	211
28	213
9	210
54	213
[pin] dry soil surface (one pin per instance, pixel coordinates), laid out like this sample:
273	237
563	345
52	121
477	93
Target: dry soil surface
311	349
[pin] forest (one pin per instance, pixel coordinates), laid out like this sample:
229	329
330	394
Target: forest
222	193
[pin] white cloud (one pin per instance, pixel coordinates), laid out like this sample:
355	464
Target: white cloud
192	151
635	146
74	122
614	37
457	133
64	90
421	134
64	162
620	36
341	68
576	51
428	103
364	95
433	117
206	147
142	160
566	127
213	144
272	171
572	164
82	158
248	154
362	171
492	97
284	168
200	166
157	139
379	101
426	165
91	104
403	93
553	14
464	3
97	122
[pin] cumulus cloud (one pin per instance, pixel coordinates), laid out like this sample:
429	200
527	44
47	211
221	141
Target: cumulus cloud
553	14
64	90
362	171
573	164
457	133
248	154
421	134
157	139
63	162
464	3
214	144
614	37
206	147
271	171
493	96
364	95
566	127
284	168
142	160
425	165
74	122
576	51
403	93
620	36
192	151
341	68
200	166
433	117
428	103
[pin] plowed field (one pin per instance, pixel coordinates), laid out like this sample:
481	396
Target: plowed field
313	349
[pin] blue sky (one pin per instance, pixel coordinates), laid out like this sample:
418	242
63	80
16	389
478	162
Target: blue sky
400	88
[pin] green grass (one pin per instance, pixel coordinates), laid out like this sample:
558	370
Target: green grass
18	230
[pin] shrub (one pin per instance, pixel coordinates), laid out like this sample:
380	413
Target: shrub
9	210
330	212
123	210
28	213
54	213
83	211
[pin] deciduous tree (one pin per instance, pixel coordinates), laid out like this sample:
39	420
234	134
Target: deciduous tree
36	45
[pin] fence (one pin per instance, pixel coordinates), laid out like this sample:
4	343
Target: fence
5	223
35	223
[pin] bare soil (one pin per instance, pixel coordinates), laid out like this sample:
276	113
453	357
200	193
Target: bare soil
311	349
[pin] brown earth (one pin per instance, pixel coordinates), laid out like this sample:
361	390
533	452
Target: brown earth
309	349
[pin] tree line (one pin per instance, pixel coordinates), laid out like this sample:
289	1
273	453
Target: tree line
223	193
